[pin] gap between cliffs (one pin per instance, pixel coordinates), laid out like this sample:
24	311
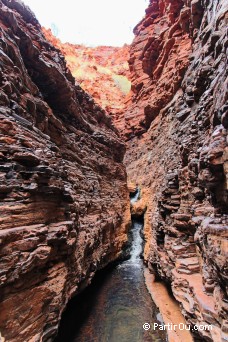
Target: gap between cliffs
174	122
104	73
64	197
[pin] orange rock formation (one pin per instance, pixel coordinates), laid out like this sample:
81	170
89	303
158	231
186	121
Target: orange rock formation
64	204
176	153
102	71
64	200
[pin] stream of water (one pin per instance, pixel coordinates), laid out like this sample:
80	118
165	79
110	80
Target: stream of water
115	306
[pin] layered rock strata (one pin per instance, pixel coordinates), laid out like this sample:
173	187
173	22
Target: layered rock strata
102	71
64	207
177	152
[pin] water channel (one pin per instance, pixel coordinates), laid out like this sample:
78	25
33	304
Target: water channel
115	306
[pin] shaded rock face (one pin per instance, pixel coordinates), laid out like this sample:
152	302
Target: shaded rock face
159	57
103	72
64	209
178	152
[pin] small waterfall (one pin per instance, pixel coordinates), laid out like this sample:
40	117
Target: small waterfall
135	237
136	248
135	196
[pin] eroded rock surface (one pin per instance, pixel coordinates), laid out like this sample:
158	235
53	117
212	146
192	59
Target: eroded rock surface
103	72
177	152
159	57
64	207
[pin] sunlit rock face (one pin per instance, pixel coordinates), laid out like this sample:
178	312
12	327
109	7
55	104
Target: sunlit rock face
64	209
177	152
101	71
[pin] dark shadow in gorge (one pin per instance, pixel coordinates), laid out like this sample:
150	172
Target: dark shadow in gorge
79	307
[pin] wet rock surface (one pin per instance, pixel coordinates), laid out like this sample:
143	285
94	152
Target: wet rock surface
64	206
177	152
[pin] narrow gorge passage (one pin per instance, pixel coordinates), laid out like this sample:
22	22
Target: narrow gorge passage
80	128
116	305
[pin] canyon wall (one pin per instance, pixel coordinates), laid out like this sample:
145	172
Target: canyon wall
64	205
177	152
102	71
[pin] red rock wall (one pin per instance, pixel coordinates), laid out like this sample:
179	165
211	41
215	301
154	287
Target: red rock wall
178	152
64	207
158	61
102	71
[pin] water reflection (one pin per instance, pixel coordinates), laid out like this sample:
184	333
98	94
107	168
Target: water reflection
115	306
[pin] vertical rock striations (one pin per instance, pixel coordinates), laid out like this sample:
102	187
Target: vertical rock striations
64	208
178	151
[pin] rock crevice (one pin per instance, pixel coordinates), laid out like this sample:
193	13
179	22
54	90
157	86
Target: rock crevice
64	203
